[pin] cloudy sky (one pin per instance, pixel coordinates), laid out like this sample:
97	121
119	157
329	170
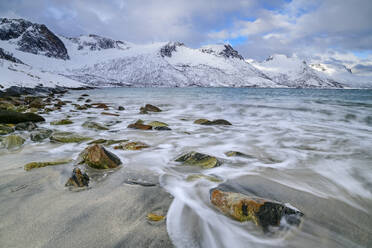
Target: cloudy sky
337	30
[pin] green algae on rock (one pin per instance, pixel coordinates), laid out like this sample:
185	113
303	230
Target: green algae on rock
94	125
62	122
199	159
25	126
149	108
78	179
195	177
157	124
68	137
96	156
34	165
262	212
237	154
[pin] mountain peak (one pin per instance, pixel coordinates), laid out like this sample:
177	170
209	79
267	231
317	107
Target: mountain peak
225	50
169	48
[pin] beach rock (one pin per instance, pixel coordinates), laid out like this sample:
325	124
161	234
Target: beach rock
34	165
84	95
4	129
237	154
195	177
94	125
155	217
139	125
80	107
25	126
5	105
262	212
199	159
100	105
136	145
111	114
12	142
162	128
78	179
88	101
96	156
157	124
40	134
121	108
107	142
13	117
37	103
67	137
215	122
149	108
62	122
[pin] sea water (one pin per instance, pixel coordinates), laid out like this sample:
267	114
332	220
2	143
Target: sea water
310	148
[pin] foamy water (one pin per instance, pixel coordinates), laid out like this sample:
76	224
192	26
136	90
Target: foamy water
309	148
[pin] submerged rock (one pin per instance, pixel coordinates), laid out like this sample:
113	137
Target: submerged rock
78	179
96	156
107	142
12	141
214	122
26	126
4	129
40	134
237	154
139	125
67	137
262	212
136	145
13	117
149	108
157	124
34	165
111	114
121	108
100	105
195	177
162	128
199	159
62	122
94	125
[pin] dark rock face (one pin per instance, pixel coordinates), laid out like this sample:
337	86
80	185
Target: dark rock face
166	51
227	52
33	38
97	43
78	179
8	56
12	117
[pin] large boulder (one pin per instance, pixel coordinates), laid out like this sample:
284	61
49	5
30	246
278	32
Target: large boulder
13	117
78	179
199	159
96	156
262	212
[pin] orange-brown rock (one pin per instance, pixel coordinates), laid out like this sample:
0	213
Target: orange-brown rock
139	125
262	212
96	156
111	114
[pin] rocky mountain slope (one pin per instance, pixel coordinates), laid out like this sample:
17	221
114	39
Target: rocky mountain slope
92	60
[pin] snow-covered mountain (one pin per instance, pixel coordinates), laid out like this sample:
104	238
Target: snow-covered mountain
31	55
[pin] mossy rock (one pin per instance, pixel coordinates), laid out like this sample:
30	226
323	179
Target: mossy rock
157	124
68	137
5	129
62	122
199	159
262	212
78	179
139	125
34	165
96	156
94	125
13	117
237	154
155	217
107	142
12	142
201	121
214	122
195	177
135	145
149	108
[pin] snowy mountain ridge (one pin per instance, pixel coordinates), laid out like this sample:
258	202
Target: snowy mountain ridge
92	60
